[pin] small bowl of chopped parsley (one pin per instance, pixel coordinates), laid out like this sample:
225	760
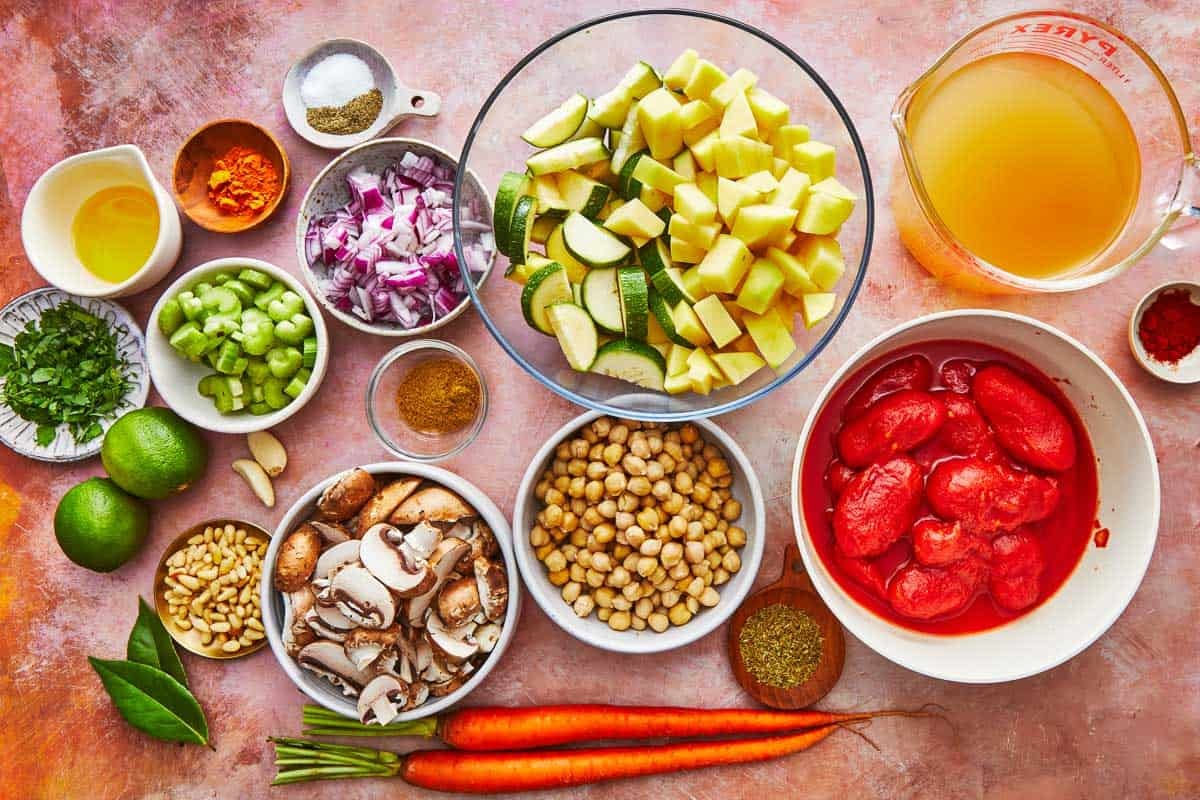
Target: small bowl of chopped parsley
69	367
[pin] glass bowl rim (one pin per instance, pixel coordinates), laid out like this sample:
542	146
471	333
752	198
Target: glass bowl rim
408	348
834	325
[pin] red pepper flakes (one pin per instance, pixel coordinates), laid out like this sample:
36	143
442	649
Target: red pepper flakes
1170	328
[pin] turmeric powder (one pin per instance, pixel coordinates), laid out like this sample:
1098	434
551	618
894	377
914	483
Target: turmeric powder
243	182
440	395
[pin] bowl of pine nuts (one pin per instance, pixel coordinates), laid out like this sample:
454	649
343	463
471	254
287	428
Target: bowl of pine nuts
639	537
206	588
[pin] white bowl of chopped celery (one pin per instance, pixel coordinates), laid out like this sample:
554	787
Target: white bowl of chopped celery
236	345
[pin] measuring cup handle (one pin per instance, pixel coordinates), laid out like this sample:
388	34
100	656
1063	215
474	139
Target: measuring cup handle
1186	230
415	103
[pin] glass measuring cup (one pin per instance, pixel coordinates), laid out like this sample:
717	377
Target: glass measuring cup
1170	175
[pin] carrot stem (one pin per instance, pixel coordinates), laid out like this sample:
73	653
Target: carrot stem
320	721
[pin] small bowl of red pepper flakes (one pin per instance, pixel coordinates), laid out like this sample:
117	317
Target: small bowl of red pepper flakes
230	176
1164	332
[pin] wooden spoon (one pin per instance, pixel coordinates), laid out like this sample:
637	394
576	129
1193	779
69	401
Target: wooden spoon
794	588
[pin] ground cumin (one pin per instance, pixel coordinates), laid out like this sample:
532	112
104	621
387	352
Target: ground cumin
440	395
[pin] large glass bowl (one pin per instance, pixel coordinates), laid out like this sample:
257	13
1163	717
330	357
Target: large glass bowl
591	58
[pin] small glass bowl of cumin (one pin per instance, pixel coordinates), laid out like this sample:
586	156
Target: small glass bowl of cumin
426	400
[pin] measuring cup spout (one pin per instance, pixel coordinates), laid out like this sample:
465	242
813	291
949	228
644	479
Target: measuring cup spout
1185	231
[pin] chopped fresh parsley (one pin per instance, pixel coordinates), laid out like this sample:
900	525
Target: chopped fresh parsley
64	368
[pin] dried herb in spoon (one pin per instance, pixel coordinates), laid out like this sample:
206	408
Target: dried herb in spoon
781	646
64	368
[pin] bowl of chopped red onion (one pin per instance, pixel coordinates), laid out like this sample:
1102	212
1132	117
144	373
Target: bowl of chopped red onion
375	237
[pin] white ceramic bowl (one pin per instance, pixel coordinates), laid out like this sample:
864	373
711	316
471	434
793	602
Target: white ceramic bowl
328	192
1103	583
322	691
1187	369
591	630
175	377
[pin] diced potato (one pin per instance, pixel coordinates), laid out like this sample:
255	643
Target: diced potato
796	279
737	367
707	181
742	344
739	82
685	165
705	150
655	335
817	159
761	225
705	77
779	168
724	265
735	311
656	175
787	239
635	219
822	257
762	182
693	204
771	337
769	111
737	156
816	307
549	199
688	325
658	117
761	287
829	204
677	359
716	320
739	119
703	371
792	190
676	76
685	253
677	384
732	197
692	284
699	234
653	198
787	136
695	113
700	132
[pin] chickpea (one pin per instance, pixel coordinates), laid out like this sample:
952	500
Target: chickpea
614	484
571	591
701	493
709	520
579	448
633	465
577	573
576	467
628	502
604	597
735	536
688	434
695	587
621	603
575	489
714	559
637	623
660	576
731	510
539	491
717	467
594	579
693	605
695	531
554	497
646	566
579	537
670	598
692	512
732	561
701	570
651	547
619	433
619	621
631	591
555	561
658	622
604	533
601	562
583	605
603	614
570	521
613	454
538	536
710	597
643	608
553	516
621	551
671	553
680	571
596	470
619	578
640	485
601	426
589	436
679	615
677	527
640	447
558	578
693	552
673	504
683	483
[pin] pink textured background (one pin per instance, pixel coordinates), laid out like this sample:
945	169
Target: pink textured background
1120	720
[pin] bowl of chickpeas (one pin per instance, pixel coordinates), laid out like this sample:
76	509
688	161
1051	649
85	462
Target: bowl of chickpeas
639	537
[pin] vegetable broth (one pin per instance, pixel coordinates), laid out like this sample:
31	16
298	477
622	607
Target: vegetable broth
115	231
1029	161
1063	535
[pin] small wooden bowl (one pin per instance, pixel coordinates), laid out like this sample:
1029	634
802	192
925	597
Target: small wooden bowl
194	163
794	588
190	640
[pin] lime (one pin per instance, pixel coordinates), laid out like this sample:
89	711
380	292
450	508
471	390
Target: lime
152	453
99	526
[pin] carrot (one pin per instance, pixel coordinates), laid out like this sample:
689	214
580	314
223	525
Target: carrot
483	773
498	728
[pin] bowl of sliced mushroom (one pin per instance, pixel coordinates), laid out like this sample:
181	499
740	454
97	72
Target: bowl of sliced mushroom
389	591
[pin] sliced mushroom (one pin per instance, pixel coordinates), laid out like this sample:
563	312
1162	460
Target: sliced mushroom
454	650
385	556
483	541
492	585
296	558
296	632
384	502
364	646
446	687
433	504
382	699
458	602
328	660
487	636
363	599
331	532
328	623
335	558
424	651
422	540
436	672
346	495
442	561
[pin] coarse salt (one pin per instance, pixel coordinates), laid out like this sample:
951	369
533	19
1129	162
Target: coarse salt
336	80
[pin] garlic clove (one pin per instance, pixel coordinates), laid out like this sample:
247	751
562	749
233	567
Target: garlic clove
267	451
257	479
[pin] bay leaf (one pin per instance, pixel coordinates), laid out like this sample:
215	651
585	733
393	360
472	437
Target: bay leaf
151	644
152	701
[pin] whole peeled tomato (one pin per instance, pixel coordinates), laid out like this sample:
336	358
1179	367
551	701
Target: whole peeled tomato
989	498
896	424
927	592
864	571
913	372
936	542
838	476
973	570
1029	425
1016	570
877	507
966	432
